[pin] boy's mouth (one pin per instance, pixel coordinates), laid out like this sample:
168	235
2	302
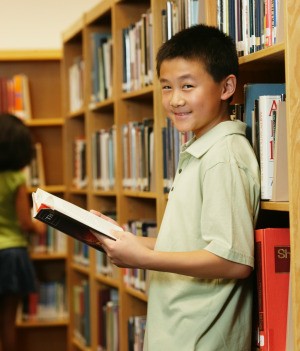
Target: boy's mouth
181	115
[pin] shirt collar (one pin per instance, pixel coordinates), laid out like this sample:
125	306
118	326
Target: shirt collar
198	147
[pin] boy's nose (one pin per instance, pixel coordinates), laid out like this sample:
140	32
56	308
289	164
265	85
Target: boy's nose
176	99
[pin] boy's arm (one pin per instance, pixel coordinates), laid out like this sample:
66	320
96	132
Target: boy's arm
148	242
199	264
130	251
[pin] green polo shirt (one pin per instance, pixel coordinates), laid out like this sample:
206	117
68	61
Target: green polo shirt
10	231
213	205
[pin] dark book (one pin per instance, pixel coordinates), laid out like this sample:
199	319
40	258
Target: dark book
71	219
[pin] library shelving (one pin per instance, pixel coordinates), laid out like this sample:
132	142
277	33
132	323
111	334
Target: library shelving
43	69
125	106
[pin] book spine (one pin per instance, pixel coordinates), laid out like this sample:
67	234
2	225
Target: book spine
267	104
272	267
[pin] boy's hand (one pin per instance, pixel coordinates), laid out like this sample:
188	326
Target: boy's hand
99	214
127	251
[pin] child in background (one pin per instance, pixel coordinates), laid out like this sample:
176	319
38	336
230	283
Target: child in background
17	277
200	295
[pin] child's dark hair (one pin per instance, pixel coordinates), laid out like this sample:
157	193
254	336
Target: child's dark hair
208	44
15	143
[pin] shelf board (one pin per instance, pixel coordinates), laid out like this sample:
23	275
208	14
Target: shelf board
42	323
81	268
44	122
76	191
141	93
104	193
49	188
107	104
47	256
30	55
76	114
274	206
100	10
80	345
272	53
74	31
140	194
104	279
136	293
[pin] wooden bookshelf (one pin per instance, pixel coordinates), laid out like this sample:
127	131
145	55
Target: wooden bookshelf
43	68
277	63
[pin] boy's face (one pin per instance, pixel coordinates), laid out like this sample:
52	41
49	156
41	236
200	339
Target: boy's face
190	96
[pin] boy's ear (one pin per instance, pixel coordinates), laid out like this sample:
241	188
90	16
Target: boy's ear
229	86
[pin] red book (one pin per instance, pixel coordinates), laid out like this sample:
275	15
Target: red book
273	268
33	305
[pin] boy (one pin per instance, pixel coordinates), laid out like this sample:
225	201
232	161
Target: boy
200	295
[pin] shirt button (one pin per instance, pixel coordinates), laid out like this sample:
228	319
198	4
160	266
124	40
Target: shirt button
180	171
172	188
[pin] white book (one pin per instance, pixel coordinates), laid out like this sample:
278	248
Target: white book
266	105
70	219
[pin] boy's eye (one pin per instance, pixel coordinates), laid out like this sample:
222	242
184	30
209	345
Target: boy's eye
166	87
187	86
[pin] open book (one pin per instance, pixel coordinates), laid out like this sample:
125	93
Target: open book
71	219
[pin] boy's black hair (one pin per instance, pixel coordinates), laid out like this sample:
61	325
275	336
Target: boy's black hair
208	44
16	146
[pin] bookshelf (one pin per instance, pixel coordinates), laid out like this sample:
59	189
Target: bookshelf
43	70
273	64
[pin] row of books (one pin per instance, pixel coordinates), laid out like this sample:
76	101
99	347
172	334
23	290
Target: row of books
53	241
105	267
81	310
136	332
138	62
81	253
104	156
138	153
180	14
103	262
265	130
49	302
135	277
15	96
101	67
264	112
108	319
172	141
79	163
76	84
265	116
35	172
253	25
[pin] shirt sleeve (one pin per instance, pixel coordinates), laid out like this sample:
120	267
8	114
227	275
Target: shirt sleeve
227	215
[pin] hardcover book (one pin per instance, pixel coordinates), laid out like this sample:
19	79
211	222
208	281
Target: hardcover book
252	91
273	272
280	190
267	105
71	219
